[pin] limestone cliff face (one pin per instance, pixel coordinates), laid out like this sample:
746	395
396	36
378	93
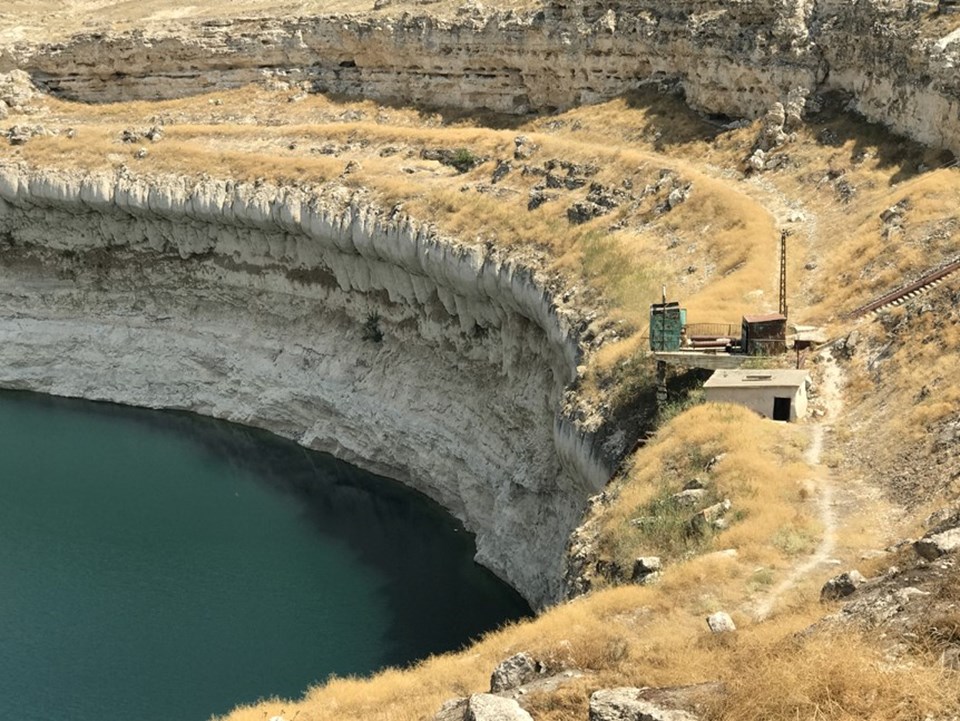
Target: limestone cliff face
735	58
264	306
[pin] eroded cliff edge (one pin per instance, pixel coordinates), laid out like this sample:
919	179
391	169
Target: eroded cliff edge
312	314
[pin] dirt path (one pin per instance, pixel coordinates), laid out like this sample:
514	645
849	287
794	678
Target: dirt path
830	386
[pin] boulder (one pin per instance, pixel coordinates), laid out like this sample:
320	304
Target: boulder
584	211
487	707
19	135
714	461
841	586
524	148
626	704
677	196
710	517
515	671
689	497
720	622
646	569
539	197
500	172
938	544
453	710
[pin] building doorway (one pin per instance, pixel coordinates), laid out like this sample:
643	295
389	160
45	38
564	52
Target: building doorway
781	409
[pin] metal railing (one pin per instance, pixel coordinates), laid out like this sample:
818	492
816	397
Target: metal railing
713	330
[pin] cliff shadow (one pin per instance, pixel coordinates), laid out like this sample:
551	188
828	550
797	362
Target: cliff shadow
835	126
668	121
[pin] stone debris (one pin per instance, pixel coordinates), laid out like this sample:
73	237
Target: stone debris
677	196
757	161
841	586
626	704
19	135
584	211
689	497
720	622
714	461
711	516
934	545
501	171
515	671
539	197
524	148
646	569
141	154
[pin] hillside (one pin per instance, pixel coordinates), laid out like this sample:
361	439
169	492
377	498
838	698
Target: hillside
503	225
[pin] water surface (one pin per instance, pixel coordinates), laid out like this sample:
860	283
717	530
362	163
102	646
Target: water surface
163	566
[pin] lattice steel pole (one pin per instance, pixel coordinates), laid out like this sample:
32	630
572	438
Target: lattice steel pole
783	273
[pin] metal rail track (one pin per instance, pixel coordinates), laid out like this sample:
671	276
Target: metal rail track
908	292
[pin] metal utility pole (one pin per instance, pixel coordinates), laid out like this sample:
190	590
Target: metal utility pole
783	273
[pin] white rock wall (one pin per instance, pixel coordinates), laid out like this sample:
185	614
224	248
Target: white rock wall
248	303
732	57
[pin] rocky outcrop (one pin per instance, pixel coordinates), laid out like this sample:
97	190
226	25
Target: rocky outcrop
515	671
737	59
312	314
482	707
629	704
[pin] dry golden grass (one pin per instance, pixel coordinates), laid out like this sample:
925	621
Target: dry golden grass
761	473
831	676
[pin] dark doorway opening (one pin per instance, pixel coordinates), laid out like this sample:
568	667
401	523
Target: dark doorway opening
781	409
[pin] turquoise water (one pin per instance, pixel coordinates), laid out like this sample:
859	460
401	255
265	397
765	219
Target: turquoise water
164	566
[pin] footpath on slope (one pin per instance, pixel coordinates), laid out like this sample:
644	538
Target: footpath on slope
842	504
825	489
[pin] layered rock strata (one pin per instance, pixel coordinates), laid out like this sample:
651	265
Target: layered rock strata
317	317
733	58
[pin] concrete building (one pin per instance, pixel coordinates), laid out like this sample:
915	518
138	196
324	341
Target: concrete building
774	393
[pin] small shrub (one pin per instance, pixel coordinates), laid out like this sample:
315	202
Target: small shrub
371	328
464	160
794	540
672	409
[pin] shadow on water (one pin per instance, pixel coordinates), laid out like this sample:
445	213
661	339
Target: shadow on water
439	597
436	597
